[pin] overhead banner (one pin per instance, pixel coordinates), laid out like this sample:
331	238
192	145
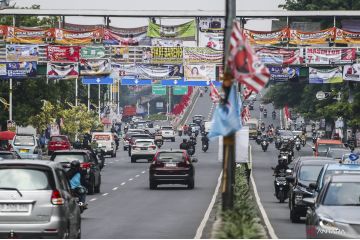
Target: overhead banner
114	38
22	53
284	74
63	36
200	72
186	30
92	52
62	70
18	69
352	72
26	35
202	55
62	53
161	42
321	37
163	55
262	37
330	56
212	40
212	24
80	27
346	37
124	69
279	56
120	54
158	72
3	30
328	75
95	66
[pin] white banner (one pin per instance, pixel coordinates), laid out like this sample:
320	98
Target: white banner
328	75
352	72
200	72
211	40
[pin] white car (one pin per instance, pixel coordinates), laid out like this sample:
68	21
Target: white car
143	149
106	141
168	132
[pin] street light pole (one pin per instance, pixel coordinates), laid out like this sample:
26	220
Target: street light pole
10	99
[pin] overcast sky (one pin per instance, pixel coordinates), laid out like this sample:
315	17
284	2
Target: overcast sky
255	5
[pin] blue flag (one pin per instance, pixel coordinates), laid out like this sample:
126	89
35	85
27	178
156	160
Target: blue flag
226	119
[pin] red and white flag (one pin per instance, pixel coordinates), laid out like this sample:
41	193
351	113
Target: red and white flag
247	93
214	94
245	115
243	62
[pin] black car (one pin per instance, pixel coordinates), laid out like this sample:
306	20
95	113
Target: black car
89	164
9	155
306	171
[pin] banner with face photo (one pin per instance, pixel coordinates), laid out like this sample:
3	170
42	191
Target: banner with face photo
212	24
298	37
284	74
352	72
330	56
159	72
62	70
22	53
19	70
200	72
92	52
347	37
120	54
63	53
63	36
271	37
327	75
186	30
160	42
164	55
284	56
26	35
95	66
212	40
202	55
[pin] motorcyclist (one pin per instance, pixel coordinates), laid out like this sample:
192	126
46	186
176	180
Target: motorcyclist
265	112
261	107
158	138
184	145
262	126
76	181
280	169
205	139
274	113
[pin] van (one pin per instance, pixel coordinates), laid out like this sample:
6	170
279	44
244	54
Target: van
253	124
106	141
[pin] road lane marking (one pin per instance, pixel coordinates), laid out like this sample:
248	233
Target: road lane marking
202	225
105	194
122	184
115	188
143	172
94	199
130	179
137	176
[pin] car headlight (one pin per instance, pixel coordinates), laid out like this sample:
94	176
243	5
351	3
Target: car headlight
328	224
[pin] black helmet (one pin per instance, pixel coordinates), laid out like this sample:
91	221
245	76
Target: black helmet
75	164
184	140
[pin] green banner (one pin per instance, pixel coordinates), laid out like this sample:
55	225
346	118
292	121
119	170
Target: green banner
186	30
180	90
158	89
92	52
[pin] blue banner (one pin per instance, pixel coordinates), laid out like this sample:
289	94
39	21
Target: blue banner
135	81
18	69
189	83
284	74
97	80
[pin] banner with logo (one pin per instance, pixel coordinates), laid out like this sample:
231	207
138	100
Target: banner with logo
211	24
284	74
95	66
212	40
202	55
262	37
352	72
163	55
279	56
92	52
18	69
62	70
325	75
22	53
158	72
200	72
330	56
130	39
63	36
186	30
26	35
62	53
347	37
321	37
161	42
80	27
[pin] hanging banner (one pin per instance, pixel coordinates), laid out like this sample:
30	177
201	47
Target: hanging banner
164	55
212	24
120	54
3	30
18	69
62	53
202	55
346	37
330	56
158	72
352	72
22	53
329	75
279	56
186	30
160	42
262	37
26	35
95	66
92	52
200	72
212	40
124	69
62	70
113	38
284	74
63	36
180	90
81	28
321	37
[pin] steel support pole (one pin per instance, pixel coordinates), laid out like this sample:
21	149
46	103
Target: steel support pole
10	100
118	97
99	103
76	92
88	97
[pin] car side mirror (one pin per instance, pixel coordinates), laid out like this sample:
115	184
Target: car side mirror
290	179
310	202
313	186
194	160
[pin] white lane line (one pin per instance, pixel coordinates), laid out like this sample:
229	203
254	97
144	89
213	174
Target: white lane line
137	176
202	225
143	172
115	188
105	194
192	109
261	207
122	184
94	199
130	179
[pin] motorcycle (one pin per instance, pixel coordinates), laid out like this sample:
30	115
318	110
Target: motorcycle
77	192
159	143
303	142
191	149
264	145
262	128
281	187
265	114
297	144
101	156
258	139
278	143
205	146
274	116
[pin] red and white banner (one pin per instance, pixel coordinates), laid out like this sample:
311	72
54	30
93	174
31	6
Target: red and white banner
347	37
27	35
63	36
274	56
214	94
62	70
63	53
321	37
262	37
330	56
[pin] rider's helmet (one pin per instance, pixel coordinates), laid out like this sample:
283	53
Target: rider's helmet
282	160
75	165
184	140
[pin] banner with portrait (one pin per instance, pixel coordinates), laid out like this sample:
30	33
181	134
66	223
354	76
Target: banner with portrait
267	37
158	72
63	53
268	55
163	55
92	52
212	40
200	72
303	38
161	42
284	74
347	37
352	72
56	70
330	56
186	30
95	66
18	69
211	24
22	53
202	55
26	35
63	36
325	75
120	54
130	39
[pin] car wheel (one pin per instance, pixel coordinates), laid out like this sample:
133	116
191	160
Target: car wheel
67	233
281	197
152	185
97	188
133	159
49	153
293	216
191	184
173	139
91	188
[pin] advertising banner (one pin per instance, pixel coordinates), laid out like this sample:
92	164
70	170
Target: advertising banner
262	37
62	70
18	69
120	54
160	42
330	56
95	66
62	53
279	56
124	69
22	53
328	75
212	40
63	36
200	72
284	74
186	30
346	37
132	39
202	55
26	35
164	55
301	38
80	27
92	52
352	72
3	30
157	72
212	24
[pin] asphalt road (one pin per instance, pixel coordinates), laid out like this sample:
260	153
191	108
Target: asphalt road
278	213
127	208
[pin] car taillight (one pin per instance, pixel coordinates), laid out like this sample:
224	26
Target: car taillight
134	147
85	165
183	164
56	198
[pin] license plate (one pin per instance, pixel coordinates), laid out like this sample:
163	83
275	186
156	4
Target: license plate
144	148
14	207
170	165
24	150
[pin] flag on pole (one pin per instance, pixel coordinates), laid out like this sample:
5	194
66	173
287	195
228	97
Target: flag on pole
243	62
214	94
247	93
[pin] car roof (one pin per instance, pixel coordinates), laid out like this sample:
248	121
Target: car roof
7	152
341	166
345	178
167	126
140	135
318	162
146	140
30	162
329	141
58	136
310	158
171	151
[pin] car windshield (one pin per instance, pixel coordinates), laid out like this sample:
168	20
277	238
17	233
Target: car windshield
58	139
6	156
325	147
24	179
286	133
144	143
343	194
170	157
197	117
141	137
104	137
338	153
310	172
69	158
24	140
166	128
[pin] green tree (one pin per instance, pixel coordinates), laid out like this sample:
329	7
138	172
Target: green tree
302	5
49	113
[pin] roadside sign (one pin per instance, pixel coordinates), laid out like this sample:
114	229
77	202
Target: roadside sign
97	80
180	90
158	89
320	95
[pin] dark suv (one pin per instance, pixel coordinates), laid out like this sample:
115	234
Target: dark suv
89	164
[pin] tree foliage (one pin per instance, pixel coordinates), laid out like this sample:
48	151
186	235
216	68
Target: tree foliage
302	5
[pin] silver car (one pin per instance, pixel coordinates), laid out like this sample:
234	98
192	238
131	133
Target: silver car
36	201
27	146
336	210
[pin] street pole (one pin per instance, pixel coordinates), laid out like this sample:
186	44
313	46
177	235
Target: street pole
76	92
118	98
99	103
170	99
10	100
88	97
228	178
148	105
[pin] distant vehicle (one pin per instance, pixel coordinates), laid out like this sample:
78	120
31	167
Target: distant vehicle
36	201
134	137
168	133
127	137
4	155
322	146
286	134
337	153
128	112
143	149
198	119
252	97
58	142
27	146
253	124
107	142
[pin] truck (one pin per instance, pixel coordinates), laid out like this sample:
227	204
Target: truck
128	112
253	124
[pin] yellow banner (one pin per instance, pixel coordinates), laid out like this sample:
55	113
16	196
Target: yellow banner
262	37
301	38
347	37
24	35
63	36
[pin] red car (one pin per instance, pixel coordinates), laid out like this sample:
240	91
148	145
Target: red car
59	142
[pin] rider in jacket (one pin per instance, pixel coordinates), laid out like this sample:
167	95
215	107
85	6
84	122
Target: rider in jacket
76	181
